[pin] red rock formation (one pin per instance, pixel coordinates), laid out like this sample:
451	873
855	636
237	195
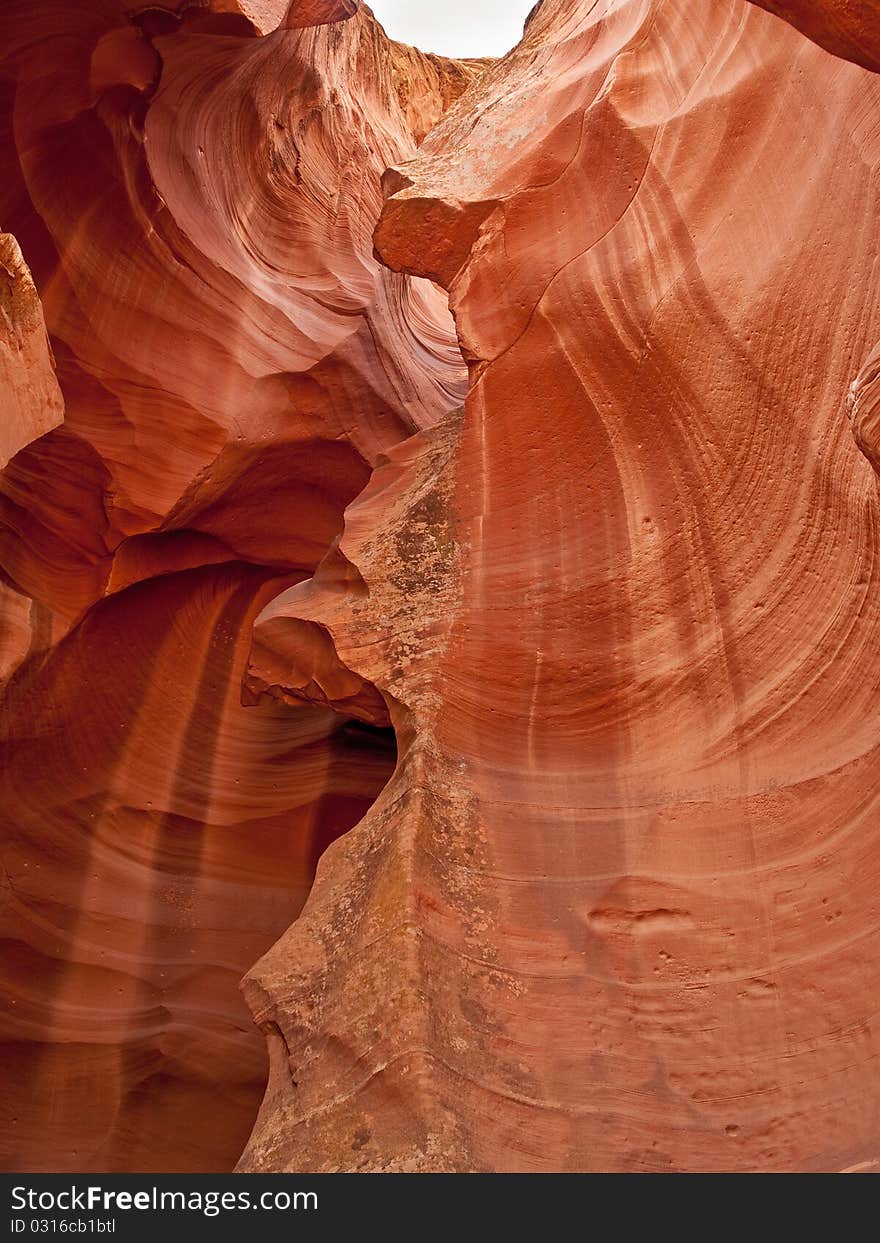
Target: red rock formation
620	893
864	408
304	13
158	837
30	400
197	205
848	28
614	909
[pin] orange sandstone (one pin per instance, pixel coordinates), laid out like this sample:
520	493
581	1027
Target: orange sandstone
528	408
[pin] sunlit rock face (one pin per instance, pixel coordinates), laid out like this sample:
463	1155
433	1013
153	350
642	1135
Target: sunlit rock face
30	400
561	662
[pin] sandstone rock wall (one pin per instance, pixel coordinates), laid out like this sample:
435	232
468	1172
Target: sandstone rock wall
197	207
549	463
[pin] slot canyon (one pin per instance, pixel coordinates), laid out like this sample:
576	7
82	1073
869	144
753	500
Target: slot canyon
439	531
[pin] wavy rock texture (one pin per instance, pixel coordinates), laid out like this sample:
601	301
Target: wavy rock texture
620	894
197	206
848	28
610	902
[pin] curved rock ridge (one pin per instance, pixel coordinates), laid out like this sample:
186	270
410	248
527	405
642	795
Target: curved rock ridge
212	297
196	205
264	16
848	28
304	13
619	896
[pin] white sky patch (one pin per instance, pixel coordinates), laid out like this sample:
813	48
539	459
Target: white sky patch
455	27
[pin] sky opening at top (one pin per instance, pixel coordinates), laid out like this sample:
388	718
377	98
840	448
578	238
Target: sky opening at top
460	28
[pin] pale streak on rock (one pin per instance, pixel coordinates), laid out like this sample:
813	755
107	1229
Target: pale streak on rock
863	405
30	399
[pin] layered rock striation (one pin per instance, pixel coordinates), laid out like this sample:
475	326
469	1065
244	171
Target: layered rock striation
848	28
196	204
484	518
619	892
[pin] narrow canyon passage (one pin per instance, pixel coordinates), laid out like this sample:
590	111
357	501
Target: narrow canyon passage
440	589
162	824
620	893
179	841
